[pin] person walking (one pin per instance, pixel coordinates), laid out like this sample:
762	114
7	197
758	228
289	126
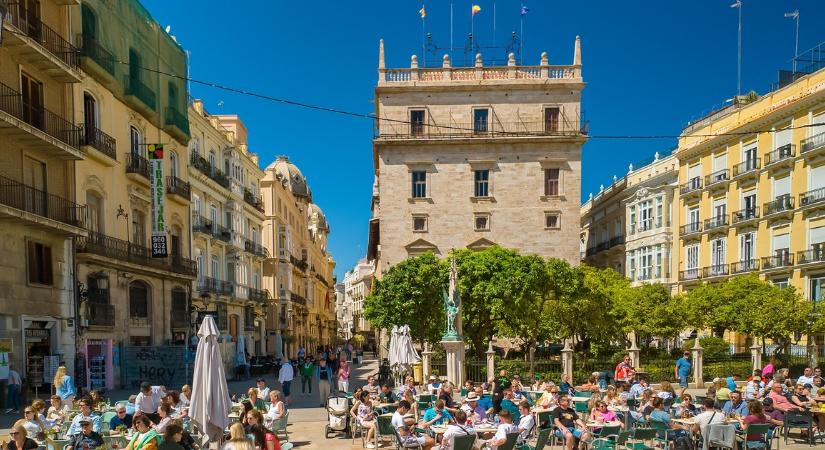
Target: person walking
285	376
306	369
343	375
13	391
323	375
64	386
682	369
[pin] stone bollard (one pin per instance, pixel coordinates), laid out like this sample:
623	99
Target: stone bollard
756	356
813	352
425	361
634	351
491	361
567	361
696	351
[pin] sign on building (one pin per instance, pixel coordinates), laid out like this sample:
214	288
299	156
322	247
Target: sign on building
158	197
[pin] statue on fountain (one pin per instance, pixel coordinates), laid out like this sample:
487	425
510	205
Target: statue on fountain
452	306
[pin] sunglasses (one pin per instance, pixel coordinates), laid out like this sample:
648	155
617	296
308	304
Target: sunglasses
13	433
28	412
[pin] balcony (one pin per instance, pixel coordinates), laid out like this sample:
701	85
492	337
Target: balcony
301	264
564	126
178	187
256	249
178	319
814	255
295	298
717	180
602	246
812	199
137	165
691	188
227	288
203	166
136	254
716	270
221	232
748	265
812	146
176	123
716	222
782	157
24	202
100	141
690	274
259	295
100	314
139	95
690	229
745	217
201	224
252	200
23	117
780	260
40	45
97	60
780	207
747	169
616	241
208	285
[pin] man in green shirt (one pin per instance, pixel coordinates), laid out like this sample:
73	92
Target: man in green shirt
386	395
306	369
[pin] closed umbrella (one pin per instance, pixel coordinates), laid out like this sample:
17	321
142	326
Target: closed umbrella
408	353
210	403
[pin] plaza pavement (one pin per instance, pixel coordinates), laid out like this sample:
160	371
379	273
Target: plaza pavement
307	419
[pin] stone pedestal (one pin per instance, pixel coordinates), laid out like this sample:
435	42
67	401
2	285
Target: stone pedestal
813	352
426	361
455	361
633	352
567	361
756	356
696	353
491	362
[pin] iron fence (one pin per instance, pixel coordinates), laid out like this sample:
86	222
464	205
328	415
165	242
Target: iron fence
27	198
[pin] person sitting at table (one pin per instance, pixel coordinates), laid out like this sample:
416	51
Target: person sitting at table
237	439
57	412
165	414
407	395
246	406
403	424
591	385
710	415
806	377
471	408
601	414
661	416
437	415
434	386
86	437
20	439
800	397
611	397
622	392
538	383
121	419
735	405
409	384
146	437
666	391
685	408
781	402
722	391
371	387
550	397
276	408
185	394
526	424
644	407
569	427
362	412
461	427
446	396
566	386
34	426
755	416
257	403
172	438
509	404
638	387
504	428
772	413
754	387
387	395
253	417
84	414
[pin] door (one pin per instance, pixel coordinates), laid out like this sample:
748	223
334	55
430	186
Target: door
749	156
693	219
34	176
747	246
749	205
175	245
31	14
718	256
32	94
551	120
89	118
694	173
692	261
720	208
781	248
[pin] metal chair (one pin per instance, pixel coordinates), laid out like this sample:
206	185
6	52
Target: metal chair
402	445
279	426
466	442
798	420
510	443
665	435
637	438
542	438
763	431
383	428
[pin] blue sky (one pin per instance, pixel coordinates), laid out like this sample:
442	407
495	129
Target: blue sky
650	67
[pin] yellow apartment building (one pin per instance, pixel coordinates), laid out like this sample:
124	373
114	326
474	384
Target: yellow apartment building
40	139
129	301
227	215
603	227
752	190
299	268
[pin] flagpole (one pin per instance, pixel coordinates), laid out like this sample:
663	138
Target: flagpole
423	36
521	47
796	44
739	53
494	23
451	30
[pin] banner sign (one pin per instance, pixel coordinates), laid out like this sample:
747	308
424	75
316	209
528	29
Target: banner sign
158	197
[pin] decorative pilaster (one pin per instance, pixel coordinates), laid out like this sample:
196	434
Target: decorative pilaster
426	356
756	356
567	360
696	352
634	351
491	361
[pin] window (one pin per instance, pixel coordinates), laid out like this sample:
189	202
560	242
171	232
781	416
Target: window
417	122
747	247
552	221
748	205
781	283
94	212
482	183
419	223
659	210
631	264
31	92
138	227
480	116
134	65
179	303
692	257
482	222
419	184
659	261
646	213
135	140
138	300
720	208
212	159
90	117
216	267
98	288
632	209
817	283
195	145
551	182
551	120
717	249
749	156
40	263
646	263
173	164
693	219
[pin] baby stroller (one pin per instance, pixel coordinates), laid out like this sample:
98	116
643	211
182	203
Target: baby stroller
338	410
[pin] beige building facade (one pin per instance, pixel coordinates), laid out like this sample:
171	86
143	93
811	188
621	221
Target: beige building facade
299	270
227	219
470	157
603	227
357	286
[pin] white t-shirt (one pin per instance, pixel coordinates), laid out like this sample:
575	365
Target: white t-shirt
706	418
263	393
455	430
526	425
501	433
433	387
803	380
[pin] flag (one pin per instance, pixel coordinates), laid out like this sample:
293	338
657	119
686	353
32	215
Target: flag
794	14
524	10
475	10
423	12
738	4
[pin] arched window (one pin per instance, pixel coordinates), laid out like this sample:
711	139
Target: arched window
173	164
91	117
94	211
195	147
138	227
138	300
176	241
135	141
134	65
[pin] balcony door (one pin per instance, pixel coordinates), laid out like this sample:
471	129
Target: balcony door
692	259
718	256
31	12
551	120
32	97
34	176
90	115
747	247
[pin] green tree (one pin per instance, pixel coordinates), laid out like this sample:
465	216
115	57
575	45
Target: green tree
712	306
650	311
410	293
770	312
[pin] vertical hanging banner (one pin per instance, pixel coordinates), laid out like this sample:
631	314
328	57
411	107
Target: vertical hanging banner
158	197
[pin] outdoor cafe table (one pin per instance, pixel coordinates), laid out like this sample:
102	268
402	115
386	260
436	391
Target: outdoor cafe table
482	428
580	399
597	424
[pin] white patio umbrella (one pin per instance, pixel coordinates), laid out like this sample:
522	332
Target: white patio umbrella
210	403
402	354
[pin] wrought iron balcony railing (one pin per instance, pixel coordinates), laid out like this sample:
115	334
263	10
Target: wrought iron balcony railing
31	25
92	49
717	177
34	114
134	87
748	265
100	314
747	166
816	254
781	258
693	185
99	140
690	274
690	228
716	222
137	164
744	215
27	198
812	143
176	186
176	118
203	166
811	197
779	204
783	153
110	247
716	270
253	200
256	249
